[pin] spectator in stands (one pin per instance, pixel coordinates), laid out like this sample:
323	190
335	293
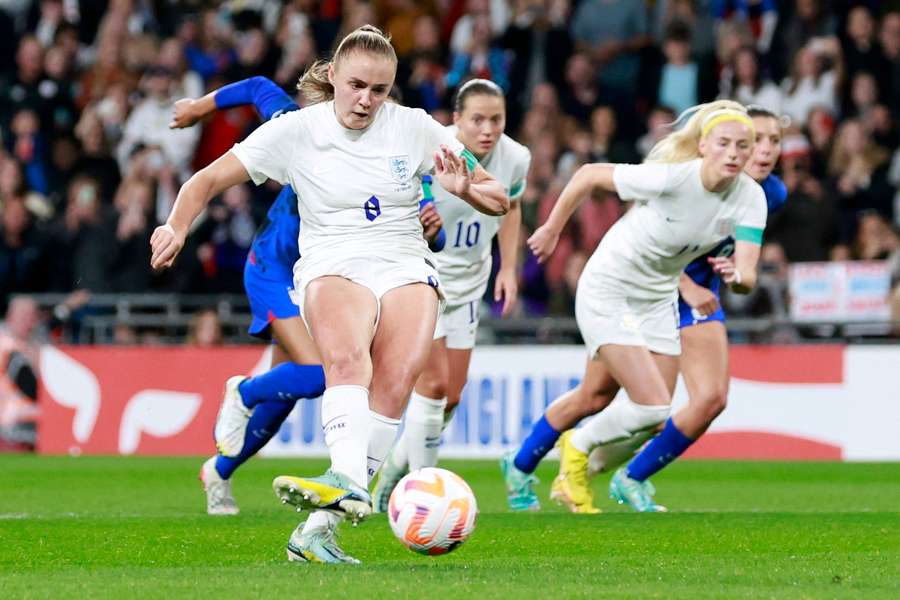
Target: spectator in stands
820	128
696	15
612	32
538	42
480	58
81	241
761	15
889	38
25	261
421	71
744	81
860	45
875	239
679	81
859	172
580	94
30	148
863	96
814	81
205	329
605	145
18	374
147	125
809	19
806	228
186	83
22	88
95	159
659	124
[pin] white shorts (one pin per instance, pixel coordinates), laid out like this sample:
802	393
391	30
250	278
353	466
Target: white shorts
614	319
459	324
378	275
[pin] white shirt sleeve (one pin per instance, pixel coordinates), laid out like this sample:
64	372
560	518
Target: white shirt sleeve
435	134
266	153
645	182
757	210
520	178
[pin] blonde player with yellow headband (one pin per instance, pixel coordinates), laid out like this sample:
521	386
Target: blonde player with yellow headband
690	194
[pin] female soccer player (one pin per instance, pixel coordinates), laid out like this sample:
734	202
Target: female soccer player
366	281
464	267
255	407
690	195
704	344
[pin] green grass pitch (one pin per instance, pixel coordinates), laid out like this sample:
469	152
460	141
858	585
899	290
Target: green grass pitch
136	528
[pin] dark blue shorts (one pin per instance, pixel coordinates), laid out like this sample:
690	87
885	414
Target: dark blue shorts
270	298
687	316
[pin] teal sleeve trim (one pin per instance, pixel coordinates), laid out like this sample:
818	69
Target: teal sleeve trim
471	161
748	234
517	189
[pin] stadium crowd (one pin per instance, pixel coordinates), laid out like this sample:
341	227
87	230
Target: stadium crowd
89	166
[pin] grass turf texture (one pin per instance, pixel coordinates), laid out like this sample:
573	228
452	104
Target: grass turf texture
110	527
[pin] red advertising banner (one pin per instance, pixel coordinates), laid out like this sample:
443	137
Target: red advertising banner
793	402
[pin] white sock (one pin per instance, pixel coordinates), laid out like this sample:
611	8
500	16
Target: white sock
424	423
617	422
321	518
382	434
606	458
345	420
448	416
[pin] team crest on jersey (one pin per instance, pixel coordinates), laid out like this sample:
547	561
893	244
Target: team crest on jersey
399	166
725	227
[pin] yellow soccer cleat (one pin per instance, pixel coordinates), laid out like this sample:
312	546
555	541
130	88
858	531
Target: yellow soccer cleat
571	487
332	491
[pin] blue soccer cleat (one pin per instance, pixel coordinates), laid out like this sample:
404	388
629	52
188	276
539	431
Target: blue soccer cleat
520	492
636	494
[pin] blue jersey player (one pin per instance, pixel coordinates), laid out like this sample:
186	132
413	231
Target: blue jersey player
703	364
262	403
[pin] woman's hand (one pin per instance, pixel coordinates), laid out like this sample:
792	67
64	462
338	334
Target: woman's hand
452	172
543	242
165	244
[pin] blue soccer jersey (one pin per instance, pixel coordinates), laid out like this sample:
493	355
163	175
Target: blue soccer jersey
268	272
702	273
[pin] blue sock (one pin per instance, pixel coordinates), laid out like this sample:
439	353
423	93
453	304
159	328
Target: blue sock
287	382
536	446
264	423
662	450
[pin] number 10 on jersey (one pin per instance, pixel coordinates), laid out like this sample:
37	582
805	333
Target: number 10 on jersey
470	237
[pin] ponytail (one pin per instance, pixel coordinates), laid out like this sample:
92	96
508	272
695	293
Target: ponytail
314	85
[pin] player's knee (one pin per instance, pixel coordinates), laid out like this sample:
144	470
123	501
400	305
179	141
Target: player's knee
348	365
432	388
593	401
715	402
453	401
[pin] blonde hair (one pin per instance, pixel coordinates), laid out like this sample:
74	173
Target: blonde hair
314	85
683	144
873	155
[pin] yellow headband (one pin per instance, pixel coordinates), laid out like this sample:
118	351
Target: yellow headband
731	115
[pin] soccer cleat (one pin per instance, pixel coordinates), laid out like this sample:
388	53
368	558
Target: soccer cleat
332	491
572	487
231	422
636	494
219	500
388	479
316	546
519	485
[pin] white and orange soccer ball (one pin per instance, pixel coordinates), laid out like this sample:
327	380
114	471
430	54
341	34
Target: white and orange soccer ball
432	511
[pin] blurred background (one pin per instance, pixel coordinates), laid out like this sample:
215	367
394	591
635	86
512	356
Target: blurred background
88	166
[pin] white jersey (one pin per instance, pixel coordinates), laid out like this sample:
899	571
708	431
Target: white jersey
464	264
357	190
674	220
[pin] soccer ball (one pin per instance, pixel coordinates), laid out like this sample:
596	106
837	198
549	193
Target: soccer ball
432	511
